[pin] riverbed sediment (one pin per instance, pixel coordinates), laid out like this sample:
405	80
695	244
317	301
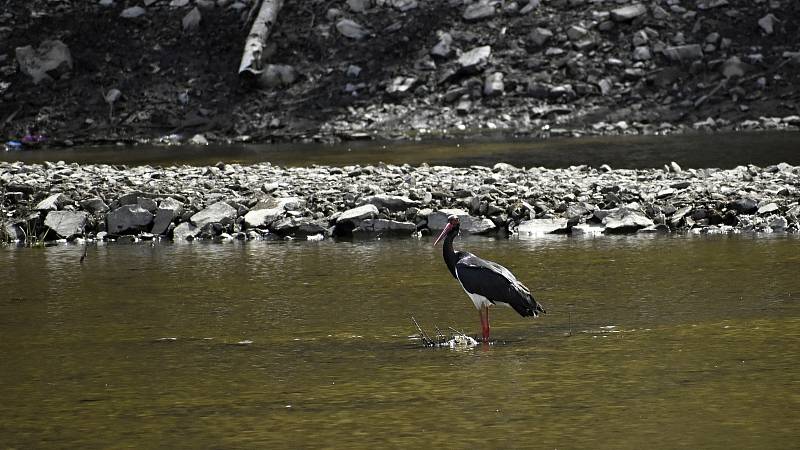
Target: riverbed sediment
264	201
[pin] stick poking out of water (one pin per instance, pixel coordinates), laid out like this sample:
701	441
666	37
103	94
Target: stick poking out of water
425	338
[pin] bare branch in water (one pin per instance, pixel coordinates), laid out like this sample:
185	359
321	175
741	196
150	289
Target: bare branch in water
426	340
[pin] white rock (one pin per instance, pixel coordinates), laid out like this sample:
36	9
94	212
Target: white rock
351	29
540	227
191	21
218	212
51	55
358	214
133	12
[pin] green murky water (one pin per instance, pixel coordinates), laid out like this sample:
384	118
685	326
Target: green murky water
650	342
722	150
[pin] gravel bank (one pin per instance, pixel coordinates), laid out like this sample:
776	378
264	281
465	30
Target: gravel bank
264	201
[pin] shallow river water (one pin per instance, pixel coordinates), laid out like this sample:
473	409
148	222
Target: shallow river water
649	342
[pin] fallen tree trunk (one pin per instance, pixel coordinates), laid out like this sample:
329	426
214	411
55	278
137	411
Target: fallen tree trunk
256	40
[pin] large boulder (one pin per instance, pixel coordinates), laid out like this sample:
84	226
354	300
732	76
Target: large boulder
624	220
66	224
168	210
128	219
49	58
262	217
219	212
356	215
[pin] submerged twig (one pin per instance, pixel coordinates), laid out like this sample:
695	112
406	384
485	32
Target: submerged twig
425	338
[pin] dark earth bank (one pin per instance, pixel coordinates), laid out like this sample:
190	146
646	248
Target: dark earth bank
93	71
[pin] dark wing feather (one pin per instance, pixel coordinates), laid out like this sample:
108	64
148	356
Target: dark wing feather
497	284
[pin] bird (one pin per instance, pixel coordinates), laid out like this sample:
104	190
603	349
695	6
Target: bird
485	282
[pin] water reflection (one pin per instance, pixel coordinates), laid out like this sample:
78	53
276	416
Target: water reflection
723	150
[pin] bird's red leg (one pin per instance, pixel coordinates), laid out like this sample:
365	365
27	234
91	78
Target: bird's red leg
486	334
484	312
483	322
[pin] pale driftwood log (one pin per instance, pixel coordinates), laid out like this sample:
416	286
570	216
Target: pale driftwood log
257	38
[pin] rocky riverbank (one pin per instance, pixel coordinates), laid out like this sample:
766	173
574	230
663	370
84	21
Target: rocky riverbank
264	201
76	72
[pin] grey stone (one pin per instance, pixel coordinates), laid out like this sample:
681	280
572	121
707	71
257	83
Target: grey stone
133	12
540	36
359	6
358	214
438	219
493	85
443	48
641	53
576	33
168	210
391	202
66	224
404	5
734	67
218	212
51	56
480	226
13	231
400	86
384	225
624	220
532	4
51	203
262	217
767	23
163	219
128	219
191	21
479	11
277	75
475	58
351	29
184	232
684	52
628	13
147	203
94	205
778	223
768	208
539	227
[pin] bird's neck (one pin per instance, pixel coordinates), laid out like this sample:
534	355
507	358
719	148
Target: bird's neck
450	257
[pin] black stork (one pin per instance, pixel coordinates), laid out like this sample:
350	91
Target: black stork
487	283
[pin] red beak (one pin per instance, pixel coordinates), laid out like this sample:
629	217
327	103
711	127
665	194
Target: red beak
447	228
